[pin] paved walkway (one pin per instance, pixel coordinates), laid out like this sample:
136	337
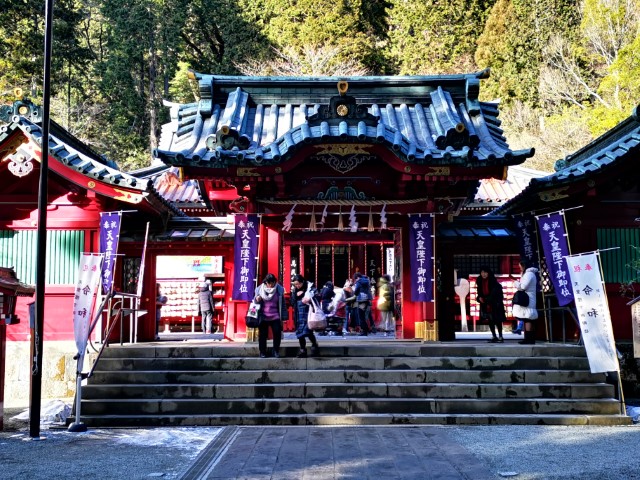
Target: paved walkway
327	453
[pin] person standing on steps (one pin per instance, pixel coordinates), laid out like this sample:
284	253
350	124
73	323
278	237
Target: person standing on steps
270	294
303	292
205	306
489	295
529	314
385	305
161	301
362	291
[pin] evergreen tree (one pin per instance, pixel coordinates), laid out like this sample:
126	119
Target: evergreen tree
434	37
512	44
22	47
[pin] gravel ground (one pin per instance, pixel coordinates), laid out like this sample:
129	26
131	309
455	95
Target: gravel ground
517	452
555	453
105	454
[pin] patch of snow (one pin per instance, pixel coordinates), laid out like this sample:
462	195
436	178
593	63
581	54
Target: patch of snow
186	438
634	413
53	411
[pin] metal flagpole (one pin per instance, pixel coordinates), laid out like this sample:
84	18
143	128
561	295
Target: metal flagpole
544	299
566	234
433	275
259	235
139	285
37	333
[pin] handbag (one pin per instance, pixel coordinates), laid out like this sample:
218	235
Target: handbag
520	298
316	319
253	315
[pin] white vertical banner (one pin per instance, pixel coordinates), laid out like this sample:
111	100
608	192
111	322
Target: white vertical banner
593	311
84	299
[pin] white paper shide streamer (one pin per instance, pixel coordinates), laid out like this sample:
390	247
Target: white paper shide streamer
288	220
352	220
383	217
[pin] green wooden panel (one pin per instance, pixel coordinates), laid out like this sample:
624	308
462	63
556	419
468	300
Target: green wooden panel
18	250
617	264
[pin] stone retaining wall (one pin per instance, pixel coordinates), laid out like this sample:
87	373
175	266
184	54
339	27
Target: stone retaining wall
58	376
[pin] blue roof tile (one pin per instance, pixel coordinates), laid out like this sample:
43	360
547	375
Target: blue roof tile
430	120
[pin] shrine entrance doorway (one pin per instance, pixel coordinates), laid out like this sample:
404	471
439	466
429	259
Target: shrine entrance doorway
320	262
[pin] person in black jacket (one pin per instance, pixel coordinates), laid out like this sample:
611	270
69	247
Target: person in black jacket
362	291
205	305
490	297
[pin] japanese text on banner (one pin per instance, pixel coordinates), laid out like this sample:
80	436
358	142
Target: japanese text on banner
245	254
84	296
109	235
593	312
555	247
526	235
421	257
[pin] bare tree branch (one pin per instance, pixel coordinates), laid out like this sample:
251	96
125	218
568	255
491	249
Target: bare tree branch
314	61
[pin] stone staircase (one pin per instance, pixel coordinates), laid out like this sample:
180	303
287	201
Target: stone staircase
377	383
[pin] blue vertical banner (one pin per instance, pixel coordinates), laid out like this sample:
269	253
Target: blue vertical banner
245	254
554	242
109	236
421	257
525	229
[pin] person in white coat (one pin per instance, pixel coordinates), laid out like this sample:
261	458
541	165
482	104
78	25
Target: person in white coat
529	314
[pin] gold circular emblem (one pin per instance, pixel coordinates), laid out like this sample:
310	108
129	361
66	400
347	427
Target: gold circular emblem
407	169
278	170
91	184
342	110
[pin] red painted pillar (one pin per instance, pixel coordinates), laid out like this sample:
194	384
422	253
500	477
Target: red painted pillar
3	349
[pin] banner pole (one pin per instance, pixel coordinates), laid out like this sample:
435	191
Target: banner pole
78	426
566	234
547	329
139	285
433	276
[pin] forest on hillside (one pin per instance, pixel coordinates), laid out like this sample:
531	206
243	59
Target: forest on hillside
564	71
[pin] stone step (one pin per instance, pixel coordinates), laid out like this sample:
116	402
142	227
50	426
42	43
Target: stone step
398	348
346	406
137	420
350	376
372	383
339	363
342	390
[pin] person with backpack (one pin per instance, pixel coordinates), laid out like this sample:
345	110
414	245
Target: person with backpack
362	291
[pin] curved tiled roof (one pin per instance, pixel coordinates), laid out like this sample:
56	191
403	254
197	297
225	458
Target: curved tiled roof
432	120
618	144
85	163
166	180
9	281
493	192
